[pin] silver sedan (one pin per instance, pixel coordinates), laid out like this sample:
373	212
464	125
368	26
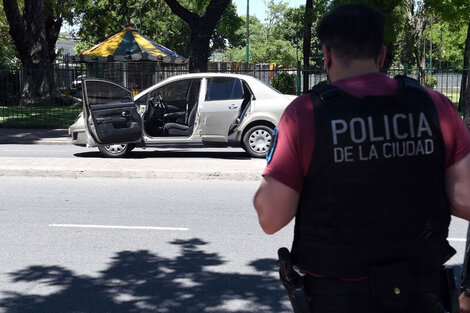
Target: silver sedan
191	110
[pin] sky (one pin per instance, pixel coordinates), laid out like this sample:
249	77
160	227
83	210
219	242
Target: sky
258	7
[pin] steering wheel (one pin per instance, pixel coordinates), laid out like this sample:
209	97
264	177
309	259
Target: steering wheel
160	104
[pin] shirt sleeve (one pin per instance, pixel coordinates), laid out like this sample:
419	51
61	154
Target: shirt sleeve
286	164
454	131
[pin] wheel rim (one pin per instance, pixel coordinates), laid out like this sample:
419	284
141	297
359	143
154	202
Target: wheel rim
260	141
115	149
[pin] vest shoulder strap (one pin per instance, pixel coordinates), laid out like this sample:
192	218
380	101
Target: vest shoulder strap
324	93
406	84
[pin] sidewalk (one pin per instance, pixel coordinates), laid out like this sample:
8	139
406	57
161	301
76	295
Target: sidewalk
34	136
159	167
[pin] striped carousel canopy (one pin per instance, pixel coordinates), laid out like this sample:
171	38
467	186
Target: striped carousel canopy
130	45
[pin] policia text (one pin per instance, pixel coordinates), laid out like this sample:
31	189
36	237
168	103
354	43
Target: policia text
396	136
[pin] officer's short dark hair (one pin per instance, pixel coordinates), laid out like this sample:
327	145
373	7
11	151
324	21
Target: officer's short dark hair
353	31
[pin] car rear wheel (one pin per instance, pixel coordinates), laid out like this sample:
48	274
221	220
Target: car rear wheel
116	151
257	141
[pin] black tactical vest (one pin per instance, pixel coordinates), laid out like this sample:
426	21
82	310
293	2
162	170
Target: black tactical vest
375	190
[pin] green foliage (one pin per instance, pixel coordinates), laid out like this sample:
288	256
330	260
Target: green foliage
448	44
285	83
430	81
279	40
100	19
8	54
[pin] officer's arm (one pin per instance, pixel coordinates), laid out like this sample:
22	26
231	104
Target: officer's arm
458	187
276	204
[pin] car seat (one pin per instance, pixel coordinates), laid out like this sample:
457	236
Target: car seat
177	129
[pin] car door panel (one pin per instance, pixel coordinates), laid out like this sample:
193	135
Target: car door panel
220	108
111	115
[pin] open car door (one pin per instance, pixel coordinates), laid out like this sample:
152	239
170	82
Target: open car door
111	116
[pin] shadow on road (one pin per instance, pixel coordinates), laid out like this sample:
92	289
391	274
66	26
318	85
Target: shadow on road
31	136
141	154
140	281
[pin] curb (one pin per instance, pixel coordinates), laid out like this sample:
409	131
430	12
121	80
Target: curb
188	169
63	173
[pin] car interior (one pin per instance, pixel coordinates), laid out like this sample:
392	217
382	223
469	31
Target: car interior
171	110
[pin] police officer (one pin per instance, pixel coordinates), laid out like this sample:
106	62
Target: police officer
371	168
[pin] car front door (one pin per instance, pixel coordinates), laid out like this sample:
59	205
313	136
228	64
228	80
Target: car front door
223	99
111	116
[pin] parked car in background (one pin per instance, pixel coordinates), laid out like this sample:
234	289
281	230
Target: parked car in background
191	110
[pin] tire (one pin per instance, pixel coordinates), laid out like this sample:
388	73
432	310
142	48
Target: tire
116	151
257	141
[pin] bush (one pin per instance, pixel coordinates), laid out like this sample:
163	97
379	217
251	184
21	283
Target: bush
430	82
285	83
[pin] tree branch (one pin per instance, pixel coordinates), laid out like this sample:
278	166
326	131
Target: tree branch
214	11
186	15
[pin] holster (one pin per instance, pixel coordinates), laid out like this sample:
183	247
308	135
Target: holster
390	284
292	282
449	292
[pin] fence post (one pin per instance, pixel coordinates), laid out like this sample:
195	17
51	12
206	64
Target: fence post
299	72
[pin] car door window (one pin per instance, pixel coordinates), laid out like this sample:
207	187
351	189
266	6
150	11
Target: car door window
174	94
175	91
224	88
100	92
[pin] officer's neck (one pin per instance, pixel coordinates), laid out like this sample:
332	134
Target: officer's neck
351	69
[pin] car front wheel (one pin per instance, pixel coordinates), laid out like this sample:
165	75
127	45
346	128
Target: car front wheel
257	141
115	151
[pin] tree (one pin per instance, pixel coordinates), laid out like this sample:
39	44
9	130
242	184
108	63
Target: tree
8	53
100	19
201	29
34	33
464	104
314	9
273	42
457	12
306	47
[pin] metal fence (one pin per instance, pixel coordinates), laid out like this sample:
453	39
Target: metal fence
138	76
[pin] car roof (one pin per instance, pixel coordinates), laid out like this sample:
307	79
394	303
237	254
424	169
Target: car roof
200	75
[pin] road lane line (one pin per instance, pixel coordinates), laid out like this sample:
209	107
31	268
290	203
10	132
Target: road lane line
457	239
119	227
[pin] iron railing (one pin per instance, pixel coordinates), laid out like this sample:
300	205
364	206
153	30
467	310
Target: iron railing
53	112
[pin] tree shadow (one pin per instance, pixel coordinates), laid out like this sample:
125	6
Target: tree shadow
31	136
140	281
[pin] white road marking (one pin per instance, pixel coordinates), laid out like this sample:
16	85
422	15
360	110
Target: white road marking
457	239
119	227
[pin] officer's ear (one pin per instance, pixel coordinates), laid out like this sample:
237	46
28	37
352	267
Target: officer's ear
382	55
327	57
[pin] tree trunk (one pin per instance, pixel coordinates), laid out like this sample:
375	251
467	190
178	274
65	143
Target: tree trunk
202	28
389	57
464	103
199	49
306	49
35	34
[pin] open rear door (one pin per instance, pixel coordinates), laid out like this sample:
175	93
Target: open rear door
111	116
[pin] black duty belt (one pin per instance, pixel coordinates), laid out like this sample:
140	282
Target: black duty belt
423	283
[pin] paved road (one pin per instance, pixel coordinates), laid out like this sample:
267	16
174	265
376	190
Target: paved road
120	245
